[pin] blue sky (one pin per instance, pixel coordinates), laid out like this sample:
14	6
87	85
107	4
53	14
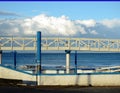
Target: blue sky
75	10
78	19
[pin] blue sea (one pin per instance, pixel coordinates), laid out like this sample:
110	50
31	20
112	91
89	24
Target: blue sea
59	59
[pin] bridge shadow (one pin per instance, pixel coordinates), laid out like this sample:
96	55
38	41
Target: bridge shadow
89	79
16	82
79	79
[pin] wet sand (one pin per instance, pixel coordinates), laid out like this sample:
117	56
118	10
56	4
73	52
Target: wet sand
57	89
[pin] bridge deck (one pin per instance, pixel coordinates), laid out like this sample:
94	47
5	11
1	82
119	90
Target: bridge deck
29	43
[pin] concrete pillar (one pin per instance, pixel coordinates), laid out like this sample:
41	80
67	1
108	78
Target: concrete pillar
38	57
67	61
0	56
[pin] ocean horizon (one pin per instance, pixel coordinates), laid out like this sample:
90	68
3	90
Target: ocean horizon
59	59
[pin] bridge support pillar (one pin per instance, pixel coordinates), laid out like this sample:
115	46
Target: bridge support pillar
0	56
38	56
67	61
14	58
75	62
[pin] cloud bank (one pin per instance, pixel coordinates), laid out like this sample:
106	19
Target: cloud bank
6	13
61	26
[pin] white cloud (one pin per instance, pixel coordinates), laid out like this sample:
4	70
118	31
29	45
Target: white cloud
60	26
93	32
111	23
35	10
56	25
7	13
87	23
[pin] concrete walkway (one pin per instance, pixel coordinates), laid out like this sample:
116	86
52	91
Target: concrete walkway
47	89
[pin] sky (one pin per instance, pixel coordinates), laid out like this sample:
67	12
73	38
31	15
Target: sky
69	19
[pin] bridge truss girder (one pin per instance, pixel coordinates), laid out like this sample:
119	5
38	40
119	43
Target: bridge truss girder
87	44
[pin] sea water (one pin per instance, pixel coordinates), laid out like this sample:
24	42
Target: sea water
59	59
